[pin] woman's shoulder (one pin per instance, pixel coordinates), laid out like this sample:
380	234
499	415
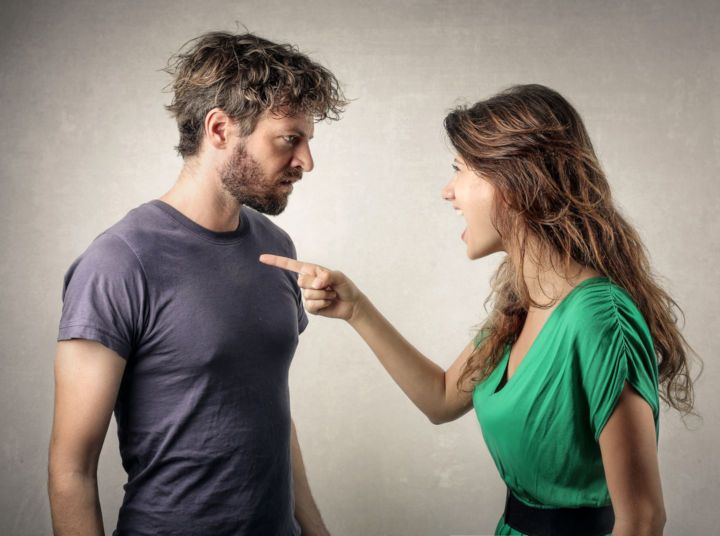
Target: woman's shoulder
598	304
611	344
607	325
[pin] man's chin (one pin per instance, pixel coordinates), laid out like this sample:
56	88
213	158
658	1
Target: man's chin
267	207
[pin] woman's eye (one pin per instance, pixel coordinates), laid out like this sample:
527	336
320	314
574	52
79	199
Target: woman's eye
457	169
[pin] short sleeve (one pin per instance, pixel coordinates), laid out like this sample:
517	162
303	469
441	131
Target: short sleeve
618	348
104	296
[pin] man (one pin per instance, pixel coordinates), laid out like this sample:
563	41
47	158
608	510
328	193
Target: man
169	318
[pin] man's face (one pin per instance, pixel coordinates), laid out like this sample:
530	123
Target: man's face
263	166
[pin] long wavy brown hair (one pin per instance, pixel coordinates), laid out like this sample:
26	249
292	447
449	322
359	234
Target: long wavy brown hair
531	144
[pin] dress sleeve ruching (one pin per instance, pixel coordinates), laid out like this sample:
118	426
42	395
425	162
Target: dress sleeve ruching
615	347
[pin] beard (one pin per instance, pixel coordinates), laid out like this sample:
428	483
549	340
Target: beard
243	178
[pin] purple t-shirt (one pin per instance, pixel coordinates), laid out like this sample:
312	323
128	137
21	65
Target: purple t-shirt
208	332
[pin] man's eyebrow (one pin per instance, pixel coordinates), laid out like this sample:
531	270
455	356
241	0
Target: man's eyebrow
300	132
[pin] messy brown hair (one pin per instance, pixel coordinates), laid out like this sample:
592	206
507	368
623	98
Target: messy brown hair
245	76
531	144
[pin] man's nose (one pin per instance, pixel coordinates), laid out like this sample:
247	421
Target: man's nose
303	158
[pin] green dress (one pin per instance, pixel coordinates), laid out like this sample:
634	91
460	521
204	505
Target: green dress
542	426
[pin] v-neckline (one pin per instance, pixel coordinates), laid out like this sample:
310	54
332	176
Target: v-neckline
505	363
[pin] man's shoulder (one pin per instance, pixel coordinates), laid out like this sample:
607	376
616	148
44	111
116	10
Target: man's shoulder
142	229
114	248
145	229
119	245
143	219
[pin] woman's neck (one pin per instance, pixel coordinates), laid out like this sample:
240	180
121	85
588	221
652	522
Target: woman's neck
550	280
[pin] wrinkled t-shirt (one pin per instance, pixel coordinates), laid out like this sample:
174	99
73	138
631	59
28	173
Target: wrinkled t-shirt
208	333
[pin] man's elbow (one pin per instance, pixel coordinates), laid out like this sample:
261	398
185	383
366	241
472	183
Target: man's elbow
66	482
66	473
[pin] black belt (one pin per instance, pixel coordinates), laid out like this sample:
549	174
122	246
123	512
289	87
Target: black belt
585	521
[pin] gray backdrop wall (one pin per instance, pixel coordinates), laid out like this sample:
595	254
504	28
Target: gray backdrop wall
85	138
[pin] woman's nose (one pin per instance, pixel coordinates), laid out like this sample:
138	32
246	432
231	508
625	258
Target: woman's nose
447	192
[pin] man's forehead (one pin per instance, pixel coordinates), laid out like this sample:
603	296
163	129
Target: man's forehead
299	122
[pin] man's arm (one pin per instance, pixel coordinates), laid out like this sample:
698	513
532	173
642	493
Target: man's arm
87	379
306	511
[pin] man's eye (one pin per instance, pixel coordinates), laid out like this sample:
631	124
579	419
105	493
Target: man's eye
292	140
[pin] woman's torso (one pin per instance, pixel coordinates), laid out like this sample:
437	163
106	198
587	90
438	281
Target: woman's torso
542	426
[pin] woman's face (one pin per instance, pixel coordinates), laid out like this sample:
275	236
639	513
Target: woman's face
472	197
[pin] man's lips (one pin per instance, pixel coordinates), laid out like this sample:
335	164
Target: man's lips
291	179
287	183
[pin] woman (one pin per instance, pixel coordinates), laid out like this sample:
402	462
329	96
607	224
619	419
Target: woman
565	372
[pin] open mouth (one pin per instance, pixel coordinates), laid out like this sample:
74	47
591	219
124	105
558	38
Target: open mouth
460	213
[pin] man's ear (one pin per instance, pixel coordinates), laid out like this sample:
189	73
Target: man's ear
218	128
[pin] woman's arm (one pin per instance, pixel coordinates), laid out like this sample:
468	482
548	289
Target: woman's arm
433	390
332	294
629	454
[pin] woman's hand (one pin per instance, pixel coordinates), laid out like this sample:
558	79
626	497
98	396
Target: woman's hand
332	294
327	292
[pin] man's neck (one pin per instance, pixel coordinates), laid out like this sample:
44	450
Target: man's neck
198	194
